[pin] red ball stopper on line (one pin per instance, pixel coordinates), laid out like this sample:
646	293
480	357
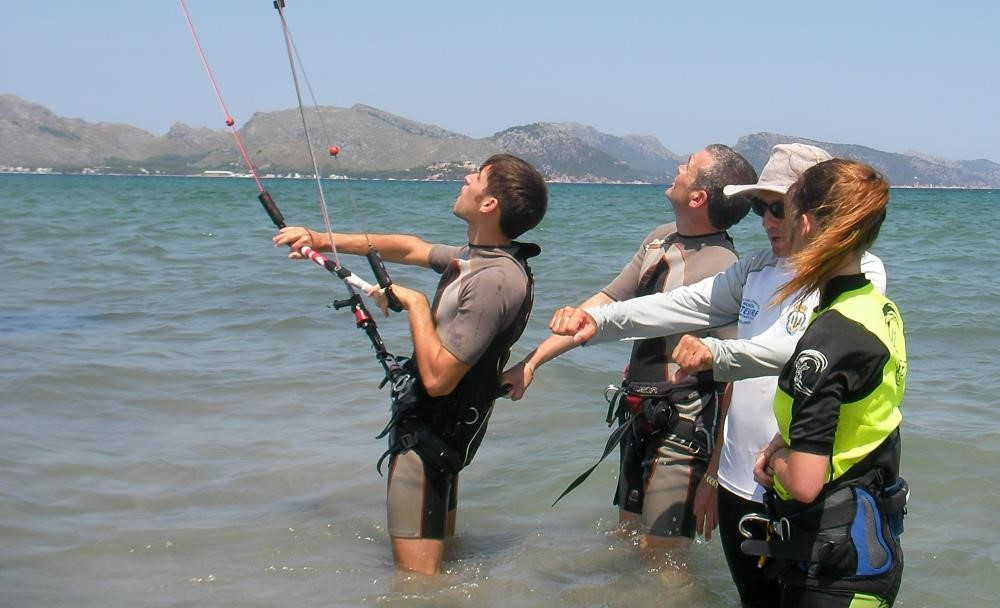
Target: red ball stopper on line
229	121
334	150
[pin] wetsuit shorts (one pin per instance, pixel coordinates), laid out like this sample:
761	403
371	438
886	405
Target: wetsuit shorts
419	498
658	481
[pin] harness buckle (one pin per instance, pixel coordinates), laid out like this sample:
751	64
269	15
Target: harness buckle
693	446
402	383
781	528
407	440
752	518
611	392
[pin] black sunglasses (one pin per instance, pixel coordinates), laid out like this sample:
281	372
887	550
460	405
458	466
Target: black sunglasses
777	208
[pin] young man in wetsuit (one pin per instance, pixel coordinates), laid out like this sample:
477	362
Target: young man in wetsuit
459	345
663	463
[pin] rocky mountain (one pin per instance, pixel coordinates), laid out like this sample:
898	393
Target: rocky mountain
374	143
573	152
900	169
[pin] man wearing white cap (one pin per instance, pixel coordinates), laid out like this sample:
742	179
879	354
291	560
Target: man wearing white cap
766	337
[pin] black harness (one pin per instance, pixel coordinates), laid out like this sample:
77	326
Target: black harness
653	411
446	431
848	538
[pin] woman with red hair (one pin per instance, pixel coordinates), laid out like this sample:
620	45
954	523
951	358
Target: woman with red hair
836	500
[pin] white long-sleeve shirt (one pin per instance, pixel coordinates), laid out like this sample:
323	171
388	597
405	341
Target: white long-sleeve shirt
715	302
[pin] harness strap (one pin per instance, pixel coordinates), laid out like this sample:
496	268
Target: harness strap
431	448
679	430
613	441
851	515
805	550
393	421
429	444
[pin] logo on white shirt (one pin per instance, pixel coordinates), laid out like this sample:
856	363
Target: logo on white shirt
748	311
795	323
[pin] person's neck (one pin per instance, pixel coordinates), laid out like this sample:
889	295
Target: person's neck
487	236
694	226
850	265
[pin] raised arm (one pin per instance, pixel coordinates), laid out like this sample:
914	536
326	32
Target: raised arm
709	303
398	248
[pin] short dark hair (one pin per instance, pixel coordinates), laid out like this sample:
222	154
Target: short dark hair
521	190
727	168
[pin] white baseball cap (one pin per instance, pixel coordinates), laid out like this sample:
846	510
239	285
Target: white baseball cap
787	163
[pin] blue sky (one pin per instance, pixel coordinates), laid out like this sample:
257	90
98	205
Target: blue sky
907	76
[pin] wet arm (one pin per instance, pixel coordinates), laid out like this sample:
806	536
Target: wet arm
802	474
553	346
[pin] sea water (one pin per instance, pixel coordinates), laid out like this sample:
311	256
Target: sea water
186	421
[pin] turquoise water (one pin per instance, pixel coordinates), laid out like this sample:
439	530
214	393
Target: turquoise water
187	423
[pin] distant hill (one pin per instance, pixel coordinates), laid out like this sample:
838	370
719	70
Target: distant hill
900	169
375	143
572	152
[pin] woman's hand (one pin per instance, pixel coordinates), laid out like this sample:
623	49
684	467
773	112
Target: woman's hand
763	469
692	356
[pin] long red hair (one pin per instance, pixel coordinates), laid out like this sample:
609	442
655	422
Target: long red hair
847	201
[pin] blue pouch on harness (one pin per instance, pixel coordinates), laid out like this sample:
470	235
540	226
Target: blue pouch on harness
874	556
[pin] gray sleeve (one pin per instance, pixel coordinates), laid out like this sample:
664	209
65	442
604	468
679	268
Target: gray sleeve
710	303
766	353
442	255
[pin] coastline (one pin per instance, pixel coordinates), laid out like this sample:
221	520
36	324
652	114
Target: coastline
50	172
